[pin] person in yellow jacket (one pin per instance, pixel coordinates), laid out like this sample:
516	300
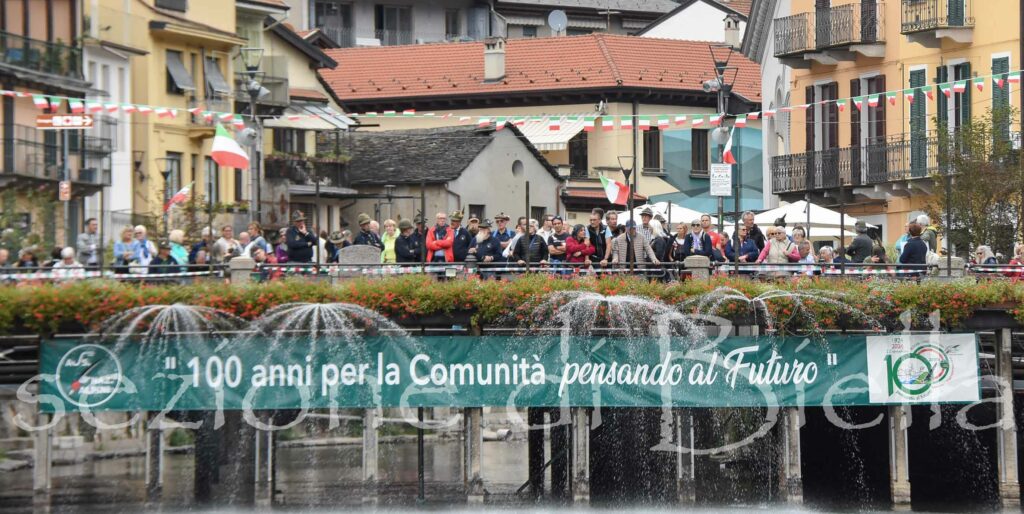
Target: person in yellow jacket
390	235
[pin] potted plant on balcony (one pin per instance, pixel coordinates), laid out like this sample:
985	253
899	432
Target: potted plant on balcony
332	167
286	166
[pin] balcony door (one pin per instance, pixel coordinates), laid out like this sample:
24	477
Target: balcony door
867	134
394	25
823	135
919	125
823	23
956	13
869	21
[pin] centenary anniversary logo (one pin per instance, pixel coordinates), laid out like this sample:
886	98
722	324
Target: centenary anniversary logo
89	375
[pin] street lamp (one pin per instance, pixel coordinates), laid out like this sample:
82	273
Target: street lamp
725	77
626	163
166	167
251	58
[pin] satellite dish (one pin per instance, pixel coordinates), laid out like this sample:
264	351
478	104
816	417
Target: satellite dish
557	20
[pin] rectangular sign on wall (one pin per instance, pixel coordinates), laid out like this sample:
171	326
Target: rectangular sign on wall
79	375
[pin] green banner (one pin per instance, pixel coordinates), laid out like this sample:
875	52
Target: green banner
79	375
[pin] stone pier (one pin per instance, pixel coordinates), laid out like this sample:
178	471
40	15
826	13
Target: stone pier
791	475
474	440
899	457
371	454
580	463
1006	434
685	479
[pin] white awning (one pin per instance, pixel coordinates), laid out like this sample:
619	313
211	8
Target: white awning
534	21
587	23
628	23
311	116
543	138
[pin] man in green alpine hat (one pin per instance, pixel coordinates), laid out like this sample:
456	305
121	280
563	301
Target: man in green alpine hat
367	236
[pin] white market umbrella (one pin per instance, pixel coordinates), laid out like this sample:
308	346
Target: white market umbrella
818	234
678	213
796	214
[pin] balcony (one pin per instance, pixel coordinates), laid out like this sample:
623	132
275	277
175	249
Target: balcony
32	157
57	58
307	170
894	166
928	22
345	37
394	37
276	85
829	36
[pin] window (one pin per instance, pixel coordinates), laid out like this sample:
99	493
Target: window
174	5
239	186
178	78
215	83
212	181
174	177
699	150
480	211
335	19
451	24
289	140
652	150
1001	96
578	154
537	213
394	25
530	31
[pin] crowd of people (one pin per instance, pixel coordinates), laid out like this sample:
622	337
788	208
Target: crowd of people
604	242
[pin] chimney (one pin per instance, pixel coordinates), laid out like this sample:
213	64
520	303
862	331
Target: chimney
494	59
732	30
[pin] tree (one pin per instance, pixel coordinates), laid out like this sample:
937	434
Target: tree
980	178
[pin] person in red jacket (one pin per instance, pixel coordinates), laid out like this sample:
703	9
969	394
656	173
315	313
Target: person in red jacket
578	247
439	241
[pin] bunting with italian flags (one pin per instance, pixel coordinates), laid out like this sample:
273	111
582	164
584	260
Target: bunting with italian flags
128	108
752	116
960	86
770	113
645	123
841	103
979	83
715	120
891	96
145	109
873	101
741	121
226	152
555	123
409	112
929	92
946	90
484	122
1013	77
859	102
588	123
607	123
626	123
909	94
616	192
55	103
1000	80
499	123
76	106
663	122
698	120
680	120
41	102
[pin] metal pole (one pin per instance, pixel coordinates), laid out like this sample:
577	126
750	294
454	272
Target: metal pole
421	496
949	223
807	199
737	190
316	210
67	176
527	233
423	217
254	212
842	227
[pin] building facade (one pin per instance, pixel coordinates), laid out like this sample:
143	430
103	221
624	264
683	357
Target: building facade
532	83
40	68
883	156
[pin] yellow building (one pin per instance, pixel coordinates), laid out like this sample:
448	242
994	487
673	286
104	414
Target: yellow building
190	47
883	156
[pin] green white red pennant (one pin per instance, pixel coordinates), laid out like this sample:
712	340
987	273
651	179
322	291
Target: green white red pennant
226	152
616	192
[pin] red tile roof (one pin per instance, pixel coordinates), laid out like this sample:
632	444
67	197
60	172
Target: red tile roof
307	94
595	61
740	6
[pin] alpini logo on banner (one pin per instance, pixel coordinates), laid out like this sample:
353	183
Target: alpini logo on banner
89	375
923	368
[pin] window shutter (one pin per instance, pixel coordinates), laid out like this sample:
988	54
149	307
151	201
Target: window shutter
854	113
809	113
942	104
880	111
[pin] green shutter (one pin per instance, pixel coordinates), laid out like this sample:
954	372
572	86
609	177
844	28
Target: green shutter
918	125
965	97
955	15
1001	96
941	102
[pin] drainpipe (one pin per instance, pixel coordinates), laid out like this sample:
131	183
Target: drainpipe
458	198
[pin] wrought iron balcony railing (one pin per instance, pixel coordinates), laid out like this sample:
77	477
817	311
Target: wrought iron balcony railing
925	15
307	171
57	58
344	36
830	28
794	34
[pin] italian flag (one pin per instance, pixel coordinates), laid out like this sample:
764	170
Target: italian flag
698	120
77	107
1013	77
128	108
626	123
841	104
607	123
715	120
389	113
859	102
727	156
163	112
617	192
645	123
195	111
946	90
891	97
873	101
909	95
1000	79
226	116
680	120
226	151
928	91
111	107
769	113
178	197
499	123
371	114
752	116
960	87
145	109
483	122
741	121
93	106
588	123
979	83
554	123
41	102
663	122
409	112
519	122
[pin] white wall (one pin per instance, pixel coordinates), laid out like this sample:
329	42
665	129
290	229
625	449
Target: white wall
111	73
489	180
699	22
774	93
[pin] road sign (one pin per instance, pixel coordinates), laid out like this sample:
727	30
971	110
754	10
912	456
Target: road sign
63	121
64	191
721	179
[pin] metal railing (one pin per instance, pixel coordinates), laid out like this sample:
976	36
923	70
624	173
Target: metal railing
345	37
58	58
307	170
794	34
34	157
924	15
394	37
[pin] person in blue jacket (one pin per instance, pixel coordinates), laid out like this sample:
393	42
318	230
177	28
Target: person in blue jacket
748	251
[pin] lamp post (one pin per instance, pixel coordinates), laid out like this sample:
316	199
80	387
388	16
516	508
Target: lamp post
251	58
166	166
722	85
626	163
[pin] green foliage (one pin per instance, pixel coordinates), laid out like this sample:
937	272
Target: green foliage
43	309
180	437
985	196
